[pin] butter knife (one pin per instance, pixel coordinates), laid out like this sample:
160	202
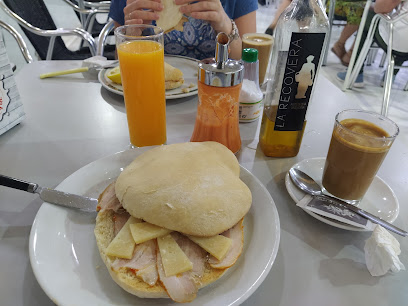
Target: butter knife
51	195
77	70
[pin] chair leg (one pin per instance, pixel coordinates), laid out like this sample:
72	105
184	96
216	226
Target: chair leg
383	58
369	57
347	81
375	52
363	54
331	17
389	74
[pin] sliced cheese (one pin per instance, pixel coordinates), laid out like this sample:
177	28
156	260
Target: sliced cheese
123	244
217	246
145	231
173	258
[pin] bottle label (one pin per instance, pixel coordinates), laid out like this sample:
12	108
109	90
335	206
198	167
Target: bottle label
300	73
249	112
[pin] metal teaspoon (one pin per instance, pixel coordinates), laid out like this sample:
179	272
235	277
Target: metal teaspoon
310	186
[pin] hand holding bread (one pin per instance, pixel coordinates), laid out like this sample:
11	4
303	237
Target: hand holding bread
209	10
142	11
168	13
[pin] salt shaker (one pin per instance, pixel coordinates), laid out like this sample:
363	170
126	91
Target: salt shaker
219	87
250	99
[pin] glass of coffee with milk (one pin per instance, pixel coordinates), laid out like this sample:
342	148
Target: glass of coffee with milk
263	43
359	144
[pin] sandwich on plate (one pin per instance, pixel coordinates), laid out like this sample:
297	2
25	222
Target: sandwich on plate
172	222
173	77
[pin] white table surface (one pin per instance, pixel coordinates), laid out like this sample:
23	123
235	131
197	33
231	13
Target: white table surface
72	121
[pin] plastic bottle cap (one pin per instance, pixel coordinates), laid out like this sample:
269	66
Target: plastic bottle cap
250	55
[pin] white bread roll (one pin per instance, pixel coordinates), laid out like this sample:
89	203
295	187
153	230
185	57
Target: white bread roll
170	16
193	188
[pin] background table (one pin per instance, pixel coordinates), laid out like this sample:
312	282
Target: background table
72	121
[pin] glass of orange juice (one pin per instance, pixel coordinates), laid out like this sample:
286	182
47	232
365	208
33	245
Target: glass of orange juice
141	60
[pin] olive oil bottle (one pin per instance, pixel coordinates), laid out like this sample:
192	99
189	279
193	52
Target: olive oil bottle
300	37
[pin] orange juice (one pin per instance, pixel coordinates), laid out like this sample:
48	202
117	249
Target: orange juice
217	115
142	71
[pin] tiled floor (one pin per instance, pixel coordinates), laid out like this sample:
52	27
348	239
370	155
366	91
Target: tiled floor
369	97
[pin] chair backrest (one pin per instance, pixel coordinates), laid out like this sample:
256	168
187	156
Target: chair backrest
19	39
36	13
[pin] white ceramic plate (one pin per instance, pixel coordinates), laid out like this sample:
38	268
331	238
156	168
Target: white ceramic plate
67	264
188	66
379	200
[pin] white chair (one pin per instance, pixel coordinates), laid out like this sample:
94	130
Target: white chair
88	11
20	41
103	36
352	74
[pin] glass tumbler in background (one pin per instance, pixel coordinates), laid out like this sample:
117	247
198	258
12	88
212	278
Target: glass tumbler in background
263	43
359	144
141	59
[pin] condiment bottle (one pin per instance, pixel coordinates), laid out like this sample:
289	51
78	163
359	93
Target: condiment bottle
219	86
250	99
300	35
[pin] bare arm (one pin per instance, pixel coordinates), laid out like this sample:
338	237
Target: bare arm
245	24
284	4
385	6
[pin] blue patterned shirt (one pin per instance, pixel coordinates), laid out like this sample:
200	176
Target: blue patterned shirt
197	40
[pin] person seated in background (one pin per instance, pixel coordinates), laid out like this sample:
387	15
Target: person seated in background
283	5
352	10
206	18
400	36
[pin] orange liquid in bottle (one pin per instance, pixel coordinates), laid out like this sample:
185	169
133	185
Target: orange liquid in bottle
217	116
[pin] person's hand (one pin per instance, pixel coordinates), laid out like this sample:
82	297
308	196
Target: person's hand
142	11
210	10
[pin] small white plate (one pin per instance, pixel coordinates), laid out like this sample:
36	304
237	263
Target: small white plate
188	66
379	200
67	264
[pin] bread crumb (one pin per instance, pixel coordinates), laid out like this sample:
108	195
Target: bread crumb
185	90
169	205
191	85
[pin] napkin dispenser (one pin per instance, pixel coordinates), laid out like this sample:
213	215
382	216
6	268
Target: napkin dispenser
11	107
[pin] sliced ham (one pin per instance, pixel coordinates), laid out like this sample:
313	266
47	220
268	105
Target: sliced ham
149	274
119	220
108	199
143	262
183	287
236	234
194	253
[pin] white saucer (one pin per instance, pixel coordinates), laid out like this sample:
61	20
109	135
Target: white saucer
379	200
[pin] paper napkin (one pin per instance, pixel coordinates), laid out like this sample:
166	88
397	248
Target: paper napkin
381	252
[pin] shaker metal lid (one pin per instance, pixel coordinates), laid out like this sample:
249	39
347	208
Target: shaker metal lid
220	71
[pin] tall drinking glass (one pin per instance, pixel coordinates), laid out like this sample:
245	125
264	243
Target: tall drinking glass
141	59
359	144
